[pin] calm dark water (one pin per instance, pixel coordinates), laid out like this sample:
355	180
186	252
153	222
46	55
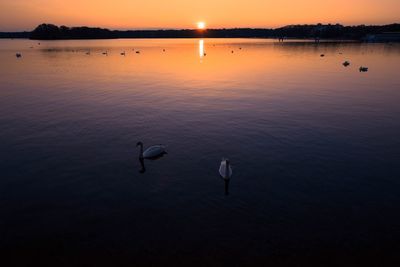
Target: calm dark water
315	150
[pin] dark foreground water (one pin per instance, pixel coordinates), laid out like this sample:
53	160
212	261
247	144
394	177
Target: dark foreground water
315	149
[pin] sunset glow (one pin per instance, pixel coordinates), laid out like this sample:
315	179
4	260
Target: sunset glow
201	25
135	14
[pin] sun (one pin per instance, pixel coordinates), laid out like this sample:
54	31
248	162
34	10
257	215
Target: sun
201	25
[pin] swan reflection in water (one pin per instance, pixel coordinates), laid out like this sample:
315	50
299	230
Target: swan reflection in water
154	152
143	166
226	181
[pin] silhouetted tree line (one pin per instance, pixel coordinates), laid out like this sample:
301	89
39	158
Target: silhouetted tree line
335	31
327	31
52	32
211	33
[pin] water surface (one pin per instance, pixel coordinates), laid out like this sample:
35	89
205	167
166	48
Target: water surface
314	146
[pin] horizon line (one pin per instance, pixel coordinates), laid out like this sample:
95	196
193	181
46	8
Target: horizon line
213	28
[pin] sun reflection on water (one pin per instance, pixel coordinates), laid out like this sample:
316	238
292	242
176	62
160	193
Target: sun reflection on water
201	48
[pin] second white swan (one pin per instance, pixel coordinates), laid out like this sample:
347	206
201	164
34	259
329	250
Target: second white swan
225	169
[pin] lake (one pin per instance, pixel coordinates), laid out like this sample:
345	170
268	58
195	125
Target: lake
314	148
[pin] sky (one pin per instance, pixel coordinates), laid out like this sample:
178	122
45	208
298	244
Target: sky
17	15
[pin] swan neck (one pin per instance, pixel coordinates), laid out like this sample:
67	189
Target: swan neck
141	151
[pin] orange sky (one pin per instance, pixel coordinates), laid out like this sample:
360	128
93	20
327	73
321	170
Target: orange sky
132	14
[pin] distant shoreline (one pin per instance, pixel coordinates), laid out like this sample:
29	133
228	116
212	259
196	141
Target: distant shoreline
332	32
288	40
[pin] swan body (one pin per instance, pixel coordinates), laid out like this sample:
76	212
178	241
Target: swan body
151	152
346	63
225	169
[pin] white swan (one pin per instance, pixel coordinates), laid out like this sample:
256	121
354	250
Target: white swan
225	169
151	152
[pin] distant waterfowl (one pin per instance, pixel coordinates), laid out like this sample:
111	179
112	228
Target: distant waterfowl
363	69
225	169
163	50
18	55
123	53
138	52
322	55
151	152
105	53
346	63
232	51
88	53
